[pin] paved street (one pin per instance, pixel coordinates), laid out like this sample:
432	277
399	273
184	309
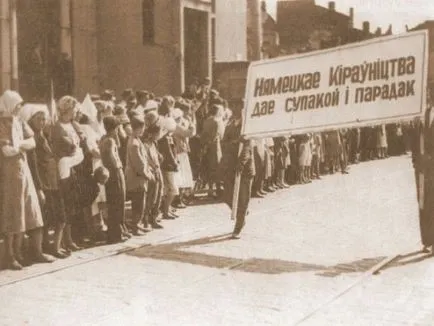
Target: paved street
305	258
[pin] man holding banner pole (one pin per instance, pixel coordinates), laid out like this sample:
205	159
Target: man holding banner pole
238	170
423	163
374	82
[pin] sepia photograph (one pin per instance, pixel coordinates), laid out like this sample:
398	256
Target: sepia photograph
217	162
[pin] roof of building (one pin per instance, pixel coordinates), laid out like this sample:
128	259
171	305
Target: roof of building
296	21
268	22
428	24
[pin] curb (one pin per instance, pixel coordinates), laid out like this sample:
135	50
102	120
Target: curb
120	251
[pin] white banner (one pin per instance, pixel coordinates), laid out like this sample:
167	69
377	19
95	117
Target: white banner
371	82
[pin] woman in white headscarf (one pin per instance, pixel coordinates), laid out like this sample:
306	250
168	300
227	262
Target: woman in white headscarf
20	209
43	165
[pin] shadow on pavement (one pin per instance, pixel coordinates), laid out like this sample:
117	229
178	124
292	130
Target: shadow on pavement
403	260
358	266
174	252
204	200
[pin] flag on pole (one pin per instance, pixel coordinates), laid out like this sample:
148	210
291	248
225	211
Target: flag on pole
88	108
52	104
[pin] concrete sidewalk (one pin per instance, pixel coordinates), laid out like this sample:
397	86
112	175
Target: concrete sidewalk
305	258
172	230
402	294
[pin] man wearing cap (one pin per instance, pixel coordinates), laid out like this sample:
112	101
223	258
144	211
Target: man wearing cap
95	97
128	99
214	98
151	105
115	186
191	91
203	96
204	89
155	187
124	131
422	148
142	98
108	95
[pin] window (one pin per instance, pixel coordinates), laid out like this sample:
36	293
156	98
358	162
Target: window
148	21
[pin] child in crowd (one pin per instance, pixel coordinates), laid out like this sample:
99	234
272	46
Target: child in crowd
99	178
115	186
316	156
303	159
308	171
155	187
137	174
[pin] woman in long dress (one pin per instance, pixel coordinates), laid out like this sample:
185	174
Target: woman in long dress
381	141
211	137
20	209
185	129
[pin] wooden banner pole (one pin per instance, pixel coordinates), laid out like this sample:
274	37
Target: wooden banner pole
236	192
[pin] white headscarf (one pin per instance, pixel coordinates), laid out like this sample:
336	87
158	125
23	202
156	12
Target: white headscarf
30	109
9	101
177	114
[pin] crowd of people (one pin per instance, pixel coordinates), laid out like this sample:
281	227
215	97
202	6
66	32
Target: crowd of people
66	175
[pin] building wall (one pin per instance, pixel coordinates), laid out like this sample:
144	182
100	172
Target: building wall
124	61
5	58
104	39
270	36
303	25
254	30
231	27
84	47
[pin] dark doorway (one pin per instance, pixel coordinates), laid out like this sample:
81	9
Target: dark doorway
38	46
196	52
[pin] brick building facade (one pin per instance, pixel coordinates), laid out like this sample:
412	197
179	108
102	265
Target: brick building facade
91	45
305	26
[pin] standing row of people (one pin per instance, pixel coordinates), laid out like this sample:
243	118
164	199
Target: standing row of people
284	161
75	174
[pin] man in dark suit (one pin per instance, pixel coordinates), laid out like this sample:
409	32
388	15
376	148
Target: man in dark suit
422	144
232	163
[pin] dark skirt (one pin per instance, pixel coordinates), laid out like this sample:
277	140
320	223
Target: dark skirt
212	162
54	209
70	191
115	192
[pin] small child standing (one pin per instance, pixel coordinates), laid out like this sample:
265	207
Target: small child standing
115	186
137	174
99	178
